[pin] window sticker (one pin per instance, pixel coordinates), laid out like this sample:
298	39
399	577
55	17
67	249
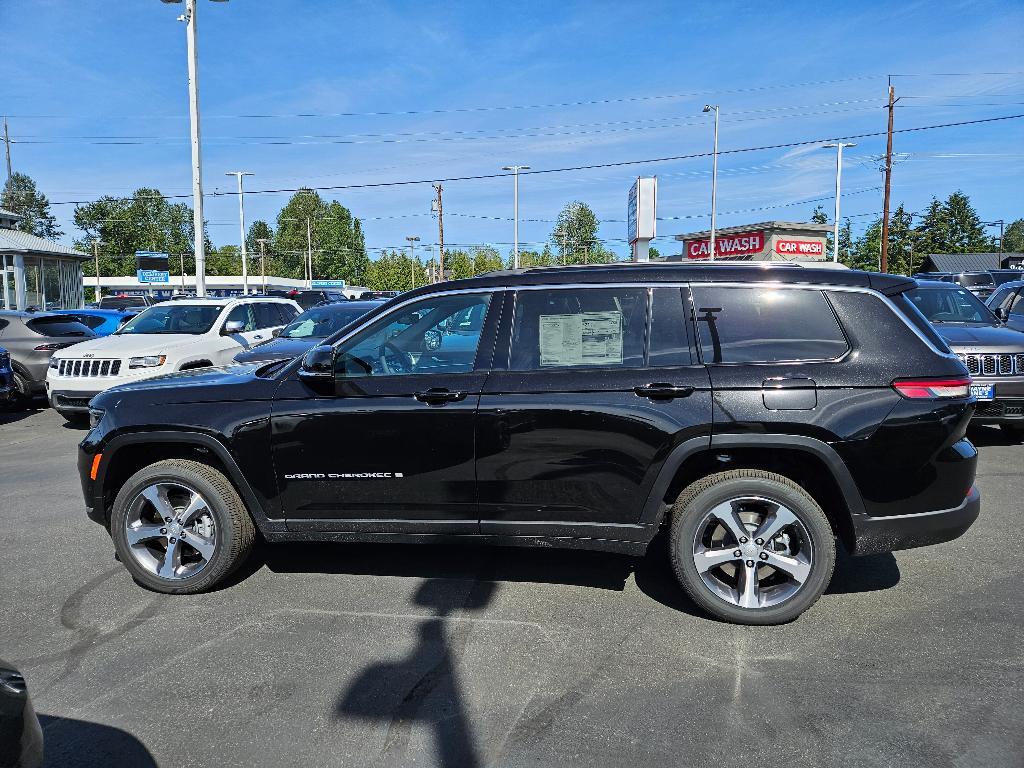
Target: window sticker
586	338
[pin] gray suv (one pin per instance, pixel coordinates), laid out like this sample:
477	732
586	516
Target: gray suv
992	352
31	338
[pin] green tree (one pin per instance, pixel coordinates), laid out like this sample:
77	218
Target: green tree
818	216
528	258
575	233
458	264
845	241
1013	237
653	253
966	233
336	238
486	259
143	222
21	196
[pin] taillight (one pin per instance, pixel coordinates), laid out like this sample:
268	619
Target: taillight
934	389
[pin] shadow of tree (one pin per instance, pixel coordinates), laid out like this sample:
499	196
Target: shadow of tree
70	743
424	686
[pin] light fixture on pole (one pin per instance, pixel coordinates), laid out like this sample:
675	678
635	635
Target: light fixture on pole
839	177
515	210
714	177
412	258
241	228
189	17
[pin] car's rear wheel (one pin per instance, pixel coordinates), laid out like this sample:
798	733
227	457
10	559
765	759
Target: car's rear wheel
180	527
751	547
21	396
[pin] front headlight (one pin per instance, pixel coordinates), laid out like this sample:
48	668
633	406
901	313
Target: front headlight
149	361
95	416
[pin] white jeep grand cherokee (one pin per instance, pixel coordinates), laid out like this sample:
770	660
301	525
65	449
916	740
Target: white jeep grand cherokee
176	335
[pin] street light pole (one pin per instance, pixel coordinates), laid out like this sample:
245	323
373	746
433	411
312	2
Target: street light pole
241	228
515	208
714	177
838	146
412	258
96	256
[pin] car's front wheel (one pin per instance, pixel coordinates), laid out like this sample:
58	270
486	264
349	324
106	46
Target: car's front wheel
180	527
751	547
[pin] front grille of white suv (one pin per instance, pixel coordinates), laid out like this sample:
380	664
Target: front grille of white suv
994	365
69	368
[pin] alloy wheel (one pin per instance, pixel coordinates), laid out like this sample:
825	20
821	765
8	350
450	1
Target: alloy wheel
170	530
752	552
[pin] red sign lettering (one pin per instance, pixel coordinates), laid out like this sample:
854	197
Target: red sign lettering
800	247
743	244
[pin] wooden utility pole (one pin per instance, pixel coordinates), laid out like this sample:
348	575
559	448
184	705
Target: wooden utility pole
7	149
440	231
884	266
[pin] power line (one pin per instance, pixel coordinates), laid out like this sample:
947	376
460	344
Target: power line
592	166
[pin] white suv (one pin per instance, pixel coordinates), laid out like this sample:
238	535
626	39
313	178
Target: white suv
176	335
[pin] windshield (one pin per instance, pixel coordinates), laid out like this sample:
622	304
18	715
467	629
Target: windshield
171	318
321	322
951	305
1007	276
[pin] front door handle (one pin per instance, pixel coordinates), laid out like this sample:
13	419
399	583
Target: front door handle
439	396
661	391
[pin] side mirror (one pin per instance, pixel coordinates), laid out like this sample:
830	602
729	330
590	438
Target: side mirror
318	363
1001	313
232	327
276	332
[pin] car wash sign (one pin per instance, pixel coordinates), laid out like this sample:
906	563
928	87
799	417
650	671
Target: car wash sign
726	246
811	248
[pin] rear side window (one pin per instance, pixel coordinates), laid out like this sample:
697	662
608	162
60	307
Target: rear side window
919	321
267	315
57	326
92	321
766	325
670	344
573	328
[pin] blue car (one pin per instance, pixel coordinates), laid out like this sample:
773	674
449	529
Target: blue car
103	322
6	377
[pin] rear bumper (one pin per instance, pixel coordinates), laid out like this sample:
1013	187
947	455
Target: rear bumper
886	534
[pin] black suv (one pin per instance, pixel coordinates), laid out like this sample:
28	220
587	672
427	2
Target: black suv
755	414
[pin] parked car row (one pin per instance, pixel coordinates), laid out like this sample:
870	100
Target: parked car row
981	283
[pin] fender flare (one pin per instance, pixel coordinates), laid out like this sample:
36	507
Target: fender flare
817	448
256	510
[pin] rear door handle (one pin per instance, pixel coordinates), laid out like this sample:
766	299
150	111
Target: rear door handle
660	391
439	396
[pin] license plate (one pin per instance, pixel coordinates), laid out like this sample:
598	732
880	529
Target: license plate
983	391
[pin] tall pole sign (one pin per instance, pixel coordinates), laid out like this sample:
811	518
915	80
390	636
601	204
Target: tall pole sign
641	216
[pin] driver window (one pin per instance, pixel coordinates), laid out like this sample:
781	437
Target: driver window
439	334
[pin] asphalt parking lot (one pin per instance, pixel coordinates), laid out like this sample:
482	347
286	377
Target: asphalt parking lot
357	655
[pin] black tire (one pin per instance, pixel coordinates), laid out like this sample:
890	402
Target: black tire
701	497
234	527
21	397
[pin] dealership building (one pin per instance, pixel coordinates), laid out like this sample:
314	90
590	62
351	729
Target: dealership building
36	272
767	241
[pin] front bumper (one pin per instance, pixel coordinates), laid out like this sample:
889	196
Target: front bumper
886	534
71	402
1008	405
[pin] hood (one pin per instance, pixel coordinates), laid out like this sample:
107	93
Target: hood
235	382
124	345
278	349
981	338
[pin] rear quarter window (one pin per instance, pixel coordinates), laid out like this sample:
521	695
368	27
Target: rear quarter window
57	326
766	324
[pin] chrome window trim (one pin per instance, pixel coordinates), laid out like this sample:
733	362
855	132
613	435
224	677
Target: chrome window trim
644	284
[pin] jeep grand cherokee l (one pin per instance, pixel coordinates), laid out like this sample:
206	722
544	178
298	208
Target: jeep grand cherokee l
758	415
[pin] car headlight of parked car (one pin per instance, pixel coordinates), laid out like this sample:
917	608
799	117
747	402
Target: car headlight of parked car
95	417
149	361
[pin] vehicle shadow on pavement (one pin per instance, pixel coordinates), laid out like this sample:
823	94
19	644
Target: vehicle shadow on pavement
870	573
70	743
983	437
424	686
600	570
10	417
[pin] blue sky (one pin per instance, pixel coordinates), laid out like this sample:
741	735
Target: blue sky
75	70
